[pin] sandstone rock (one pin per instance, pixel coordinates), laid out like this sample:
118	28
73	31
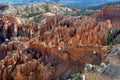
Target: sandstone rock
34	8
111	13
58	47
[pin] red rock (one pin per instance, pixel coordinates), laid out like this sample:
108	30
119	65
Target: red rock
111	13
56	48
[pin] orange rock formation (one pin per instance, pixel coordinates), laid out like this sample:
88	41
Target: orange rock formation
55	48
112	13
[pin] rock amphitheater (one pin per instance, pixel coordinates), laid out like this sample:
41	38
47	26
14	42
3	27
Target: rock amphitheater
56	48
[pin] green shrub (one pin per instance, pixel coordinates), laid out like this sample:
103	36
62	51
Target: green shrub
113	38
77	76
31	15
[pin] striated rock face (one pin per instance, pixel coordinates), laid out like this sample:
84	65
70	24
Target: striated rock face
80	32
33	70
54	48
86	33
58	29
14	27
34	8
49	50
25	60
113	14
18	64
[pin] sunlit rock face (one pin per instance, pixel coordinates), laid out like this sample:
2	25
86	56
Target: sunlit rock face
23	59
14	27
112	13
80	32
58	29
34	8
56	47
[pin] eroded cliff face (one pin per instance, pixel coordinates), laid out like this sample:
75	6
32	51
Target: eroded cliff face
57	29
76	32
34	8
22	59
14	27
20	64
57	47
112	13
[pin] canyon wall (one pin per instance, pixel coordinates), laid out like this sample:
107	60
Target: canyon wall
112	13
56	47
